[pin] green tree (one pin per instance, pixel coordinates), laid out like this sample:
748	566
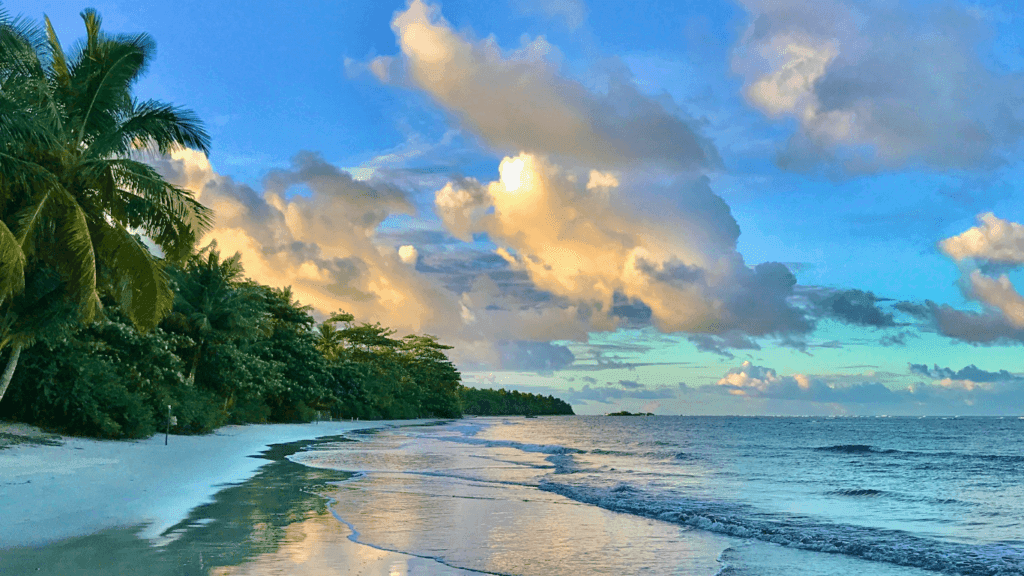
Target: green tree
211	304
72	192
329	339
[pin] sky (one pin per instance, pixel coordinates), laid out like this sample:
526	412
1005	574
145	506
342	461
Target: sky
717	207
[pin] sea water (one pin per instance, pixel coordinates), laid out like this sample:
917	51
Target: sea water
690	495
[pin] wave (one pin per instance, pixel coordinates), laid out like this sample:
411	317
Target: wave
853	449
875	544
871	450
524	446
857	492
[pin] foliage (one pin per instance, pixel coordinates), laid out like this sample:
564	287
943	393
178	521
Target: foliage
486	402
107	380
185	330
71	188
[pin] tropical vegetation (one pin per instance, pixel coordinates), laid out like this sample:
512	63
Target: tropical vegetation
111	318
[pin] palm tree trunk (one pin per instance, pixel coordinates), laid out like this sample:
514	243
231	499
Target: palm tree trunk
195	365
12	363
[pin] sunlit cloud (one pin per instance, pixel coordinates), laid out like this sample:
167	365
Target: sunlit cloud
519	100
589	242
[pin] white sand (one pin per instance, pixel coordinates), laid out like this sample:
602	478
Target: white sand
50	493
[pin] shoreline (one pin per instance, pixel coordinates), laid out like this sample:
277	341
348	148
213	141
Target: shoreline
54	488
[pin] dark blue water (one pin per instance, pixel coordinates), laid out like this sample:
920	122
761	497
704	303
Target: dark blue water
694	495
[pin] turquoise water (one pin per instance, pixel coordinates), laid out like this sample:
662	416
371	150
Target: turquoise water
678	495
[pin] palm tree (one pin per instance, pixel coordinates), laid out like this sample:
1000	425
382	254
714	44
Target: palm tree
73	193
212	305
329	340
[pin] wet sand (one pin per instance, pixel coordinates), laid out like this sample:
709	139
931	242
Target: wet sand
264	514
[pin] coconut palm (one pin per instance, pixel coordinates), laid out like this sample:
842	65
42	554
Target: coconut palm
73	193
212	304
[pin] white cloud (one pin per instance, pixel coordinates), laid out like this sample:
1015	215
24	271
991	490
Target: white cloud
589	242
994	240
879	85
1000	294
518	100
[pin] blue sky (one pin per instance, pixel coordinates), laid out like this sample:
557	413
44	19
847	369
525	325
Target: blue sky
684	207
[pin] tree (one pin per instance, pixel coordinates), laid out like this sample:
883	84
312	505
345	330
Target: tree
329	340
211	303
72	192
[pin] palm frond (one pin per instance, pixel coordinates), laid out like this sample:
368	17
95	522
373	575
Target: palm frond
76	255
142	286
58	62
36	220
153	123
170	215
103	70
12	264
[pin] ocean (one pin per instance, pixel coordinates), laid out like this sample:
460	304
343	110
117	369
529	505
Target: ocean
667	495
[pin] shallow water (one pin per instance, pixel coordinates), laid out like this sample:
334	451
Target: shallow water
664	495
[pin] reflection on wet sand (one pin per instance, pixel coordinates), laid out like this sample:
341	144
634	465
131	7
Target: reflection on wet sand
277	522
419	498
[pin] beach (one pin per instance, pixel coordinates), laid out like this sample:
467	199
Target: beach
550	496
197	505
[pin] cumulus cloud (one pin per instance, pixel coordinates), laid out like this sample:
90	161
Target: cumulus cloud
968	374
993	243
989	327
673	248
320	243
879	85
760	382
992	240
518	100
315	228
970	390
408	254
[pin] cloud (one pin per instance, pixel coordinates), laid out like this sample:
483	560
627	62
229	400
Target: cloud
993	244
315	228
408	254
608	394
518	100
987	328
850	306
534	356
630	384
879	85
312	228
993	240
721	345
966	391
670	248
969	372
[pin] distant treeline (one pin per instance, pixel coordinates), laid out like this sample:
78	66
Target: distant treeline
486	402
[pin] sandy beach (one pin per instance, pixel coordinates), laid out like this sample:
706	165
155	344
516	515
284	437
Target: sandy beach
81	506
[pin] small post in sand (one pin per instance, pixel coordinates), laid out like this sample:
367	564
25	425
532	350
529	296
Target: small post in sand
168	431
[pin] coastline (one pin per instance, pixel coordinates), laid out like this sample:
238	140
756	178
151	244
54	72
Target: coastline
54	488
